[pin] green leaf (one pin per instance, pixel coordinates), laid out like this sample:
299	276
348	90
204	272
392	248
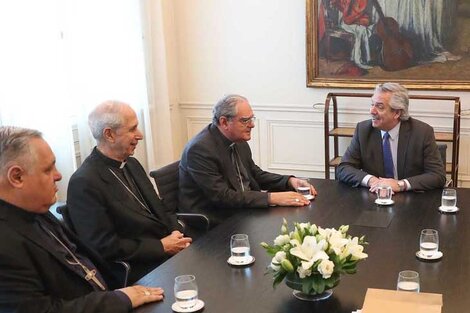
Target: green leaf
319	284
278	278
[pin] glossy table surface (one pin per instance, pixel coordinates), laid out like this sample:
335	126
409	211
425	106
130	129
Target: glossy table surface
391	249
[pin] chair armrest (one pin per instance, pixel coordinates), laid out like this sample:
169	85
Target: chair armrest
121	269
199	221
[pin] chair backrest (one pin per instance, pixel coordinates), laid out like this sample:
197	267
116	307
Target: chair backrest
64	211
167	181
442	150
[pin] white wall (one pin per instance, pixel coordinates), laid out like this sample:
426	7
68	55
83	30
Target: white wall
257	49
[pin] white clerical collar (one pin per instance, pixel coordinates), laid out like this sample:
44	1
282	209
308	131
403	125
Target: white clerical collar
122	164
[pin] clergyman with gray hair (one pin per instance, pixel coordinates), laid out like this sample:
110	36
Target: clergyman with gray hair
392	148
217	175
113	205
43	266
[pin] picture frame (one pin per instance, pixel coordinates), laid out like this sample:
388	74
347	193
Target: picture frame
332	49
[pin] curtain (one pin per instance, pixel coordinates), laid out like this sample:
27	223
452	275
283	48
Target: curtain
59	59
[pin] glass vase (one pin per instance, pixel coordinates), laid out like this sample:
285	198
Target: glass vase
295	283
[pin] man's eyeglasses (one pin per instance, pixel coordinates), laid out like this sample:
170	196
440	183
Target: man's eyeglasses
247	120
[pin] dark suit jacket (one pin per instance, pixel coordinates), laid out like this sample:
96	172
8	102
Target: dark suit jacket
35	278
208	180
418	158
108	218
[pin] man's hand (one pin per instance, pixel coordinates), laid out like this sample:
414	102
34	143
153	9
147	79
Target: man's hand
140	295
384	182
175	242
287	198
295	183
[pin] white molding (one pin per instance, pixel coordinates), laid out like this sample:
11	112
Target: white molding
288	107
271	163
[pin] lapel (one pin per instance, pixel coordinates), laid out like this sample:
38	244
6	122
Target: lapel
148	192
25	226
118	191
224	153
403	141
245	158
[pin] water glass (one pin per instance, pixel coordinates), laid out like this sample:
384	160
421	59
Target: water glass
240	248
408	281
384	194
429	242
186	291
449	198
304	188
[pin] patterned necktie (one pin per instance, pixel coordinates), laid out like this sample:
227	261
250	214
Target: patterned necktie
388	160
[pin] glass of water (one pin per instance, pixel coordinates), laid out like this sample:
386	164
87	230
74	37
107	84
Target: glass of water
408	281
428	242
186	291
449	198
384	194
304	188
240	248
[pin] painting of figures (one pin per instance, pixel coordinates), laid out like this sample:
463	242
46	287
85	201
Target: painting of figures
423	44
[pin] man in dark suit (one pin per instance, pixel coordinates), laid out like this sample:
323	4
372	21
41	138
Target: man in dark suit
112	203
43	267
414	159
218	175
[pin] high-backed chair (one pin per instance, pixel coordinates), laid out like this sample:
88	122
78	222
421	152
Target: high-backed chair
167	182
120	269
443	152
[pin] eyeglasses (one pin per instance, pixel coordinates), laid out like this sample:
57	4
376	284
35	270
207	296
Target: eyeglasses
247	120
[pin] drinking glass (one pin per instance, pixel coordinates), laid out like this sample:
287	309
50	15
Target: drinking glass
449	198
304	188
384	194
186	291
429	242
240	248
408	281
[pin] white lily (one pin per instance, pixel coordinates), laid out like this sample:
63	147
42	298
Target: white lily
354	249
309	251
337	242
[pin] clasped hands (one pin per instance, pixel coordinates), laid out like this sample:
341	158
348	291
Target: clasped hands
175	242
375	182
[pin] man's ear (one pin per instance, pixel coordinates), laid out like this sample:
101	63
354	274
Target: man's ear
15	176
223	121
108	134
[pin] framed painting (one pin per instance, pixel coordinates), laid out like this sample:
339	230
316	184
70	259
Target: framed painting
422	44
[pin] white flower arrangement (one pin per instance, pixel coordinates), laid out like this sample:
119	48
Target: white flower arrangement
314	256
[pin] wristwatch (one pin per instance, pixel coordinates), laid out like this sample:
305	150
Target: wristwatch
401	185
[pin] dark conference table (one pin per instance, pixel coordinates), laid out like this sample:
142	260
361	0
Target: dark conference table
391	249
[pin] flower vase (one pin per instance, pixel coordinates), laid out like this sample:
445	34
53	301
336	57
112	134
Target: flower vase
295	283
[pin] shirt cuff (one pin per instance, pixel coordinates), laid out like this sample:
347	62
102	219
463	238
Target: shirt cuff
124	298
407	184
365	180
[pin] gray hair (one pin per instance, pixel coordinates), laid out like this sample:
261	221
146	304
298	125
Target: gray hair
227	106
399	100
15	146
106	114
